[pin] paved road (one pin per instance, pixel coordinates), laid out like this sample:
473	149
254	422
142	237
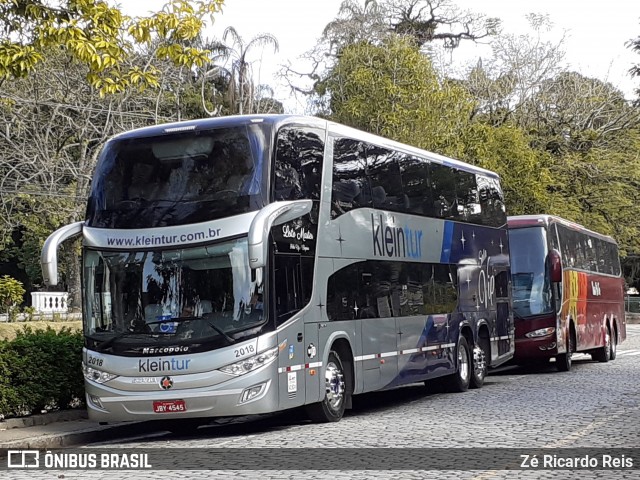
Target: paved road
594	405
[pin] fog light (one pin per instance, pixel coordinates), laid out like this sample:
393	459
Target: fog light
95	400
252	393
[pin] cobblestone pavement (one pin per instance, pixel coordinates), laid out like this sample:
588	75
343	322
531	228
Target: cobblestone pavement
594	405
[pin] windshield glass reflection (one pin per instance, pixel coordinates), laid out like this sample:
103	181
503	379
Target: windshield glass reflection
184	294
530	276
177	179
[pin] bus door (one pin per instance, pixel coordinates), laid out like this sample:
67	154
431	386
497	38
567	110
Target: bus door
379	352
290	293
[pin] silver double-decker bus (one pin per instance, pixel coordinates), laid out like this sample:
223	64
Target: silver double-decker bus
252	264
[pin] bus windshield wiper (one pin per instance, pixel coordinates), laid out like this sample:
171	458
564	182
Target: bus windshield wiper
221	332
250	327
102	346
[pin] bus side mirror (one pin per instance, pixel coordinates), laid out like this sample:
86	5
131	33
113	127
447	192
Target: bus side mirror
49	255
273	214
555	266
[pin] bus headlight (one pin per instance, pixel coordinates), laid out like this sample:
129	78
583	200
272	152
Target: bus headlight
251	363
541	332
96	375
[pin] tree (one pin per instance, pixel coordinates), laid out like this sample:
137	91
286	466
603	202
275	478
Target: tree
513	74
52	125
392	90
574	113
635	69
242	93
73	77
102	38
423	21
524	171
600	188
11	293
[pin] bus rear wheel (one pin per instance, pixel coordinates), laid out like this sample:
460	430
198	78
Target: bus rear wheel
480	360
331	408
603	354
459	381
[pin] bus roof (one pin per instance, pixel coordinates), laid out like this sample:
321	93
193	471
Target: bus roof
278	120
217	122
522	221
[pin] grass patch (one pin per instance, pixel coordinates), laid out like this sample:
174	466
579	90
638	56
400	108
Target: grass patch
8	330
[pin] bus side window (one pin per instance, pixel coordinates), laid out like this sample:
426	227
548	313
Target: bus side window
350	183
492	209
342	292
443	186
298	164
383	171
415	183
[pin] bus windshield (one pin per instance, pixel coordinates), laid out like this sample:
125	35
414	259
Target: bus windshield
174	295
181	178
530	278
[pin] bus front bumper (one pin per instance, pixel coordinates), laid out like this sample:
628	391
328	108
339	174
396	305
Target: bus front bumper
533	349
250	394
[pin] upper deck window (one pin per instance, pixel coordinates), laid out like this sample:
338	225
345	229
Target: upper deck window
177	179
367	175
298	163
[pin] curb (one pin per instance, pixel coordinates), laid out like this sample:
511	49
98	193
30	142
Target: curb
97	433
44	419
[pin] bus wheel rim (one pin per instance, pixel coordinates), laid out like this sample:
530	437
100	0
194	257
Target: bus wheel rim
463	361
334	381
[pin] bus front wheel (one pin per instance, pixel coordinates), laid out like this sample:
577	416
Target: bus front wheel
331	408
563	361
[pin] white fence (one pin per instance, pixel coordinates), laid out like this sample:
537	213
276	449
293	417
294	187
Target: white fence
50	302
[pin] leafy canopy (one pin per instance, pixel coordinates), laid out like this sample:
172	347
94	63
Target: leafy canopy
102	38
392	90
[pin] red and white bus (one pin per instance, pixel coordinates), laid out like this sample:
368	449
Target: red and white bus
568	291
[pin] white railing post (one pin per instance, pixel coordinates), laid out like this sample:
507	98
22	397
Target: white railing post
50	302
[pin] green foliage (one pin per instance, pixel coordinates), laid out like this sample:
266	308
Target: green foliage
40	369
93	34
11	293
392	90
599	189
29	312
524	171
